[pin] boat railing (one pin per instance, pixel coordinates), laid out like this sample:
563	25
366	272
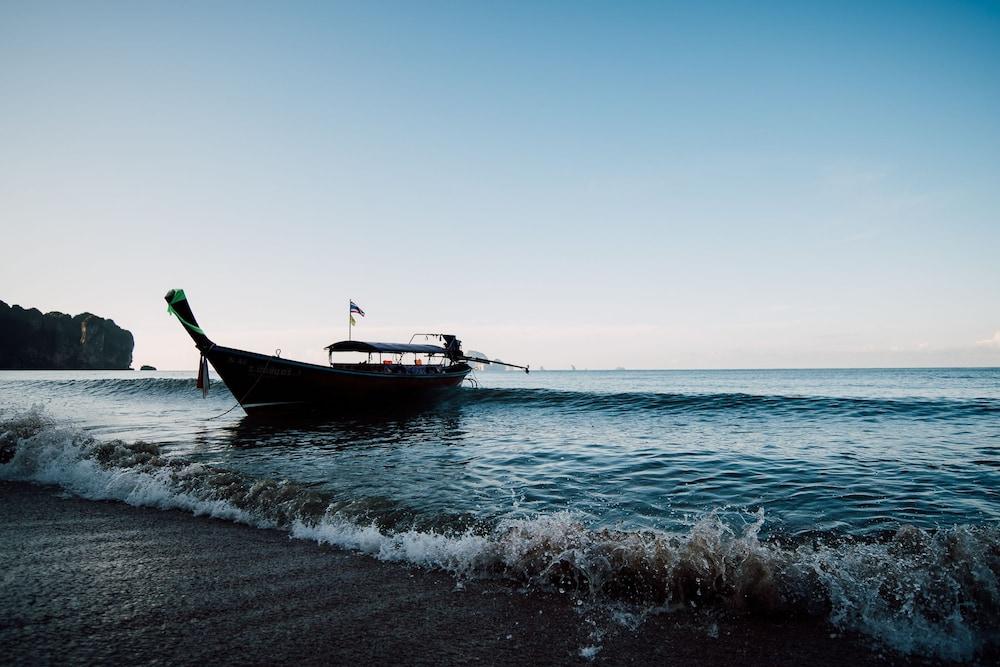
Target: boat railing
427	336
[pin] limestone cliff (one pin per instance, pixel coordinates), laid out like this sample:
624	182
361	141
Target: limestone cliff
30	340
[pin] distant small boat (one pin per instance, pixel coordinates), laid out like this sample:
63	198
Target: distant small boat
269	384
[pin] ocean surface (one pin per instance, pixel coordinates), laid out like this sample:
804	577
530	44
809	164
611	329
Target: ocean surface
870	498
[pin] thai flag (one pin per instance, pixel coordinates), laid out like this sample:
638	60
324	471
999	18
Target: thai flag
355	308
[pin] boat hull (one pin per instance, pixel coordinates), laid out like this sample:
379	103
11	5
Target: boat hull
269	385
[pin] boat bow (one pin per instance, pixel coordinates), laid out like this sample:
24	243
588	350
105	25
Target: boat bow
178	306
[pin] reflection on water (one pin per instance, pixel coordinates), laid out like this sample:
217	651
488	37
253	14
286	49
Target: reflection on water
439	424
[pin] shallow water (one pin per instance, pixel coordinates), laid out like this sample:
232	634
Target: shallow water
867	495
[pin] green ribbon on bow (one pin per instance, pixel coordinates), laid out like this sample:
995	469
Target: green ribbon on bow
178	297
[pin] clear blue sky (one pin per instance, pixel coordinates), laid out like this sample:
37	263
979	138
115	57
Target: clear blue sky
603	184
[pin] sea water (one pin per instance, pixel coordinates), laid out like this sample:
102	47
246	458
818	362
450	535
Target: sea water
868	497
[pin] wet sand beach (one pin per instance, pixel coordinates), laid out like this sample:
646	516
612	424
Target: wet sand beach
104	582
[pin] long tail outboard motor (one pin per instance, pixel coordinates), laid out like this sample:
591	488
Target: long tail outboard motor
453	348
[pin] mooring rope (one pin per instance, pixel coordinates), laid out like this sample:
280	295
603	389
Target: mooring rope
239	402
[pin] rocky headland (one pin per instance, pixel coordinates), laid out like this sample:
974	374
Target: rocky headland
30	340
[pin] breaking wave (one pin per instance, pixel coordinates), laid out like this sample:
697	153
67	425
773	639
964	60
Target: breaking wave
608	402
631	402
151	387
934	593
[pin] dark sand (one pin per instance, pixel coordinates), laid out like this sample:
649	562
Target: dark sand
101	582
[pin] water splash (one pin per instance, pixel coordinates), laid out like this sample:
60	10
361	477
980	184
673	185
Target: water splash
925	592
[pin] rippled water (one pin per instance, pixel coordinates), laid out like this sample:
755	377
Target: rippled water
857	451
832	479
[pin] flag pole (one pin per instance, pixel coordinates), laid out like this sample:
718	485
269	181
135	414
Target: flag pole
349	315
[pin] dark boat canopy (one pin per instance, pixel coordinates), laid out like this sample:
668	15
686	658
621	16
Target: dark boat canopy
387	348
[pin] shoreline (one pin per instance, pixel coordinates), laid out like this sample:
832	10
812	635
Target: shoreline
105	582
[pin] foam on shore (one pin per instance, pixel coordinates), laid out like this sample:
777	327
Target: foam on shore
932	593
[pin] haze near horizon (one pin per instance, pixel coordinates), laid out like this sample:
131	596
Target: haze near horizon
644	185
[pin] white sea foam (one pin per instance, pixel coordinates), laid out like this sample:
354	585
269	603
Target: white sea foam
933	593
73	460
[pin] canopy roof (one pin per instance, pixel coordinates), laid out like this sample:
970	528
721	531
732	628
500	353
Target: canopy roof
388	348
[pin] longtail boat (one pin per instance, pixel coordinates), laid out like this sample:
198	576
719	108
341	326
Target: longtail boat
269	384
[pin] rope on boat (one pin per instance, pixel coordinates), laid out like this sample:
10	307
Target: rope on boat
223	414
246	395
